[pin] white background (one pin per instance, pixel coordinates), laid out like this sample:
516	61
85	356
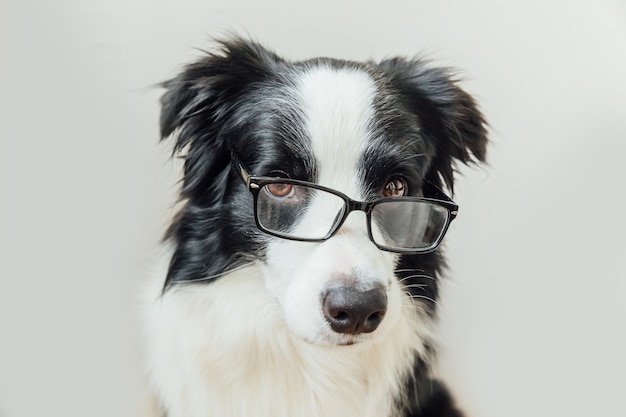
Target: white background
534	317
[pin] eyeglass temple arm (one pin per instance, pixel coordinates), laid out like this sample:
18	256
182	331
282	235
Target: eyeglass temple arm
244	175
247	178
238	167
431	190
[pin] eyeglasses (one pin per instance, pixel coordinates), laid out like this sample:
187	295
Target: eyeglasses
395	224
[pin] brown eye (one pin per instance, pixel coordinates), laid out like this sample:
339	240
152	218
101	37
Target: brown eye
396	187
279	190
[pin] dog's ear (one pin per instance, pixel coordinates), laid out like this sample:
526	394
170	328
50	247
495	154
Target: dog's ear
447	114
198	106
200	113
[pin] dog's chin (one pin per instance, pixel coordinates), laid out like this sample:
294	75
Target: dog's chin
340	342
331	339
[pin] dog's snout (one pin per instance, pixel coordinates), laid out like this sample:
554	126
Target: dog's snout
352	311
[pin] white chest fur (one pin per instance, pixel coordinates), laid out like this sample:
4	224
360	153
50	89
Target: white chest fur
223	349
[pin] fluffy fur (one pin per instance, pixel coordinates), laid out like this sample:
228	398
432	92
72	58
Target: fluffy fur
233	316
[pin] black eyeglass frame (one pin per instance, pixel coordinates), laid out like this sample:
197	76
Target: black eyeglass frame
437	196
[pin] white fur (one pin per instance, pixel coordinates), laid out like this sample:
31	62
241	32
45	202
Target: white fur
338	108
254	342
223	349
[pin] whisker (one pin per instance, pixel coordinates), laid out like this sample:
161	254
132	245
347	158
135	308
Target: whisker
410	270
417	276
423	297
405	279
415	306
421	286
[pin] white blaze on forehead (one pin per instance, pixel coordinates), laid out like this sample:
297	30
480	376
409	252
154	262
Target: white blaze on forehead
337	105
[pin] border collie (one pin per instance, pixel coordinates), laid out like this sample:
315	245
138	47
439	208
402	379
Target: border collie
300	276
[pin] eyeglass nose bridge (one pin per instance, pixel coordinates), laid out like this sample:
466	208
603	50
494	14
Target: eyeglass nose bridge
352	205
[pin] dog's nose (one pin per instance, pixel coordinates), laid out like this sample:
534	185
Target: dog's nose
353	311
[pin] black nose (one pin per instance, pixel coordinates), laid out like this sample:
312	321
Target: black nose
353	311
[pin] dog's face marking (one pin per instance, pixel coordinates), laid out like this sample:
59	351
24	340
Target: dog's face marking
337	106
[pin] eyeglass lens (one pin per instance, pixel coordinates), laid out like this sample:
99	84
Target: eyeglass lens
281	208
408	224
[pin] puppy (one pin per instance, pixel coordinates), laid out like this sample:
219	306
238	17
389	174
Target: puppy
300	276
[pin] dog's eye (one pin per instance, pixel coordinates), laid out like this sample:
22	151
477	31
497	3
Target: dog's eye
396	187
280	190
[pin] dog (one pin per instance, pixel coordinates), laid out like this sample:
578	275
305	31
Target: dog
300	276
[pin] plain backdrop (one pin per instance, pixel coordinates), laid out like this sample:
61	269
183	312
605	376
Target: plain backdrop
533	318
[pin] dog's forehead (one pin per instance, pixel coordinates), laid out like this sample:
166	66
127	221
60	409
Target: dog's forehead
337	106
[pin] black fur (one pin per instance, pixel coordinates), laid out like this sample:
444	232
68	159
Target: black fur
219	106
